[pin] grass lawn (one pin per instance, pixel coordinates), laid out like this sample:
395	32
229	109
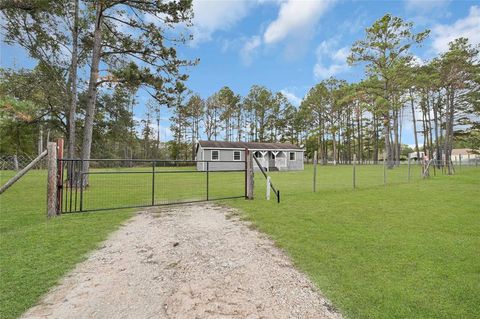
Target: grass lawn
405	250
400	251
36	252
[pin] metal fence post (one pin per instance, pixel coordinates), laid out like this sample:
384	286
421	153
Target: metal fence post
208	195
153	183
384	171
354	176
59	174
250	180
81	185
315	171
409	169
246	172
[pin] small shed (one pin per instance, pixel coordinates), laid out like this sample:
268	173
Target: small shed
225	155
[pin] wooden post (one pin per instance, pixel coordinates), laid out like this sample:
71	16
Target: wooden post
268	188
354	176
52	179
250	176
315	171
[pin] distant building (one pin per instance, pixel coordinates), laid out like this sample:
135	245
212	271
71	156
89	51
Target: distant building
272	156
458	154
463	154
413	155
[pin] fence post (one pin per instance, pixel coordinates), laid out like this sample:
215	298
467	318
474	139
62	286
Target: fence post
52	180
409	169
268	188
59	175
354	175
246	171
153	183
384	170
208	182
250	182
315	171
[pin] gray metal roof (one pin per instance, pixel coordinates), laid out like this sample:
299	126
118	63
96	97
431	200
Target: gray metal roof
250	145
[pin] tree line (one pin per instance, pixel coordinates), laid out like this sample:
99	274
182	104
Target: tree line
117	45
93	57
340	119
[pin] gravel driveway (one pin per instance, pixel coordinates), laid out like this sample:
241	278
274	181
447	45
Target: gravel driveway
190	261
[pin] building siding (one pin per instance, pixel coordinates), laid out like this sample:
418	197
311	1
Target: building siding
226	162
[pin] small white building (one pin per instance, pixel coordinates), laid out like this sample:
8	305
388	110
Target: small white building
413	155
231	155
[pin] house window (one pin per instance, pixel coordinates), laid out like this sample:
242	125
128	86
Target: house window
215	155
292	156
236	155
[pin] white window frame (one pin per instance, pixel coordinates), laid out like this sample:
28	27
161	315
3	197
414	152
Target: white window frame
239	156
294	156
218	155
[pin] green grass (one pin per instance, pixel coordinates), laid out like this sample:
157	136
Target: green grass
404	250
36	252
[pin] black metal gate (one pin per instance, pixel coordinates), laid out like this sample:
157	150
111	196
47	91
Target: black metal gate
125	183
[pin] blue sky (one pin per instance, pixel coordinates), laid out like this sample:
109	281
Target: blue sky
289	45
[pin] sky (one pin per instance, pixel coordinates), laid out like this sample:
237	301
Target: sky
290	45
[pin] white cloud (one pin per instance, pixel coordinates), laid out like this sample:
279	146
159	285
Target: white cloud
211	16
418	61
328	50
249	49
295	18
295	100
468	27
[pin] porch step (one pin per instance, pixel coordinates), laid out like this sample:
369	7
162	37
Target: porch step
273	169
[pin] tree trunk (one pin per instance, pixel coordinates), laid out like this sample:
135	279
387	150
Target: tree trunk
71	126
334	149
396	153
435	121
414	126
388	148
92	90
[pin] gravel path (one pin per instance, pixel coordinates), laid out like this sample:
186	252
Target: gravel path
190	261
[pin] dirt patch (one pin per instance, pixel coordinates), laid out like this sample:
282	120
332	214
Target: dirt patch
185	262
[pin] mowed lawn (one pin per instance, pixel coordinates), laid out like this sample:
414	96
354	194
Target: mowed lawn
34	251
404	250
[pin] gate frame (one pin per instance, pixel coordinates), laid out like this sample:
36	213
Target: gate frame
75	166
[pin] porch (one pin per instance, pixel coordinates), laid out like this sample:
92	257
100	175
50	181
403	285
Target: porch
272	160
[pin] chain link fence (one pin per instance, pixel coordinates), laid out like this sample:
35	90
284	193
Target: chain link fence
18	162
